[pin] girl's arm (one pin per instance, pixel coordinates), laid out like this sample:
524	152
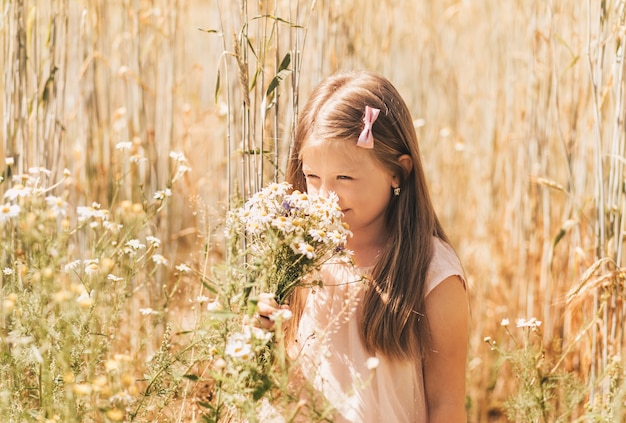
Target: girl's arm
444	368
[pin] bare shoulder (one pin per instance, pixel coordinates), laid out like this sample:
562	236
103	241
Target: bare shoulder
447	311
451	285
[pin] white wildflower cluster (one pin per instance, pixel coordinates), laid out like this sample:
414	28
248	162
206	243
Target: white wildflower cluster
183	268
92	267
241	345
124	145
153	241
93	212
289	234
18	191
531	323
132	247
29	186
238	346
26	186
162	194
159	259
181	165
56	205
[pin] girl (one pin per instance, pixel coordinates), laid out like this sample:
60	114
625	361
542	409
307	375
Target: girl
393	348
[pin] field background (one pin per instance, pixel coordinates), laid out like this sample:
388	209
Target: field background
519	106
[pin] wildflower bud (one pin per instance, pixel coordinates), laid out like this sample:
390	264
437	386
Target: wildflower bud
61	296
115	414
133	390
68	377
35	278
125	206
48	273
8	305
504	322
214	306
127	380
123	357
81	389
107	264
84	301
111	365
219	364
99	382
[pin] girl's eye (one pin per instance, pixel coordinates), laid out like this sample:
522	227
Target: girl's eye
310	176
344	177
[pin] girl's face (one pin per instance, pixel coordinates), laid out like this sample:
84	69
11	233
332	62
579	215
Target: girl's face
361	183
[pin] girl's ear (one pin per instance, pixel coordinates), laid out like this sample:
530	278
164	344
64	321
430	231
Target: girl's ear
406	163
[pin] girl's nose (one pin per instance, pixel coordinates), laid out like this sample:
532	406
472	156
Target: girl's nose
325	188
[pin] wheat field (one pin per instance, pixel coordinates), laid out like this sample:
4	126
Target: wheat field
519	107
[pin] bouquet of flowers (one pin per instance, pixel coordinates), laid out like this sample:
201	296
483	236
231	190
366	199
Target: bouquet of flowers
287	236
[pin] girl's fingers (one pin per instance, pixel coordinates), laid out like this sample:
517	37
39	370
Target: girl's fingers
268	298
264	309
264	322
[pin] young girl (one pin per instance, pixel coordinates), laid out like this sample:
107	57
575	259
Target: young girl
392	349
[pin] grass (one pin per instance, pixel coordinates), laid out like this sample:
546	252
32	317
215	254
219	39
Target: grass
519	108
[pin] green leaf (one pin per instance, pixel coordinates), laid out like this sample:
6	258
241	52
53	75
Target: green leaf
209	287
263	385
254	79
567	225
276	81
222	314
210	31
278	19
284	64
217	86
283	71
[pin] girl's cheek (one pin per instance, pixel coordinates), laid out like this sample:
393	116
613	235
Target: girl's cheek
312	188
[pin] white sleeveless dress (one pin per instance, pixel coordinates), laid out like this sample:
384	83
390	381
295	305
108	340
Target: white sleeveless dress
362	389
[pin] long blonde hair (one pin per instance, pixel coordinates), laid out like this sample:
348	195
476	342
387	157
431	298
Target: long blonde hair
392	316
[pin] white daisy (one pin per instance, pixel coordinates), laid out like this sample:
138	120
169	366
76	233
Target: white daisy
8	211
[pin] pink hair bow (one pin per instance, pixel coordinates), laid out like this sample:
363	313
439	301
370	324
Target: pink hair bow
366	139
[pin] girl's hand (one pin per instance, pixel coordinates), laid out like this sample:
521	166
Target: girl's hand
266	309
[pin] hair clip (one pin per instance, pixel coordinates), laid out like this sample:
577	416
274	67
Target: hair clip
366	139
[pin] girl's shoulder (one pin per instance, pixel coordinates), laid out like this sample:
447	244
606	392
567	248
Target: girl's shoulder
443	264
